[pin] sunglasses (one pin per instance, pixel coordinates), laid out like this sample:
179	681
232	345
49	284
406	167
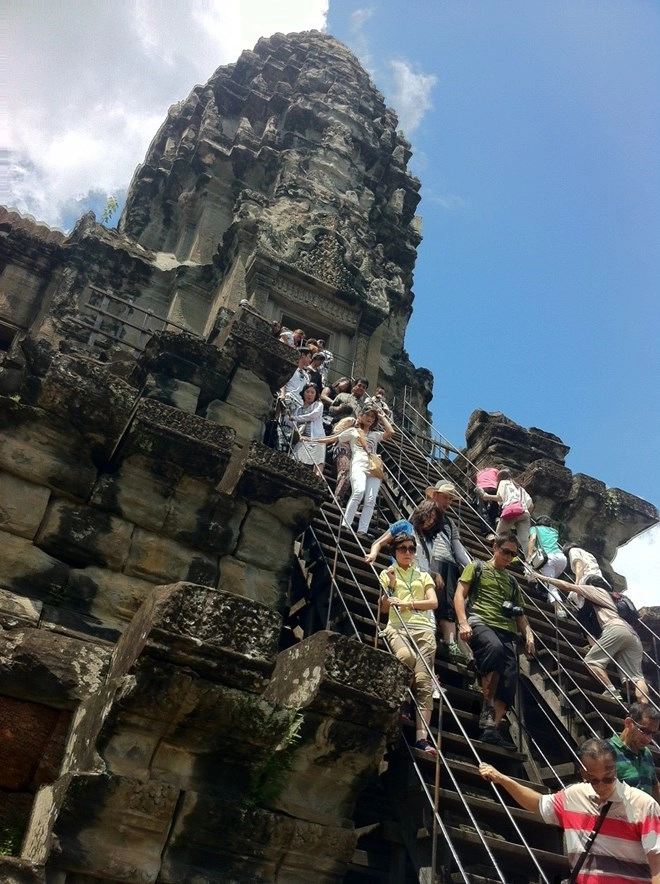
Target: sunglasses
647	731
606	781
406	547
508	552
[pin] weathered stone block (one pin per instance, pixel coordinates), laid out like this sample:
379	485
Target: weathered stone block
169	724
158	559
219	634
249	393
188	358
20	871
248	340
29	571
95	401
493	438
177	393
84	535
20	294
76	625
169	435
209	843
351	695
342	678
43	667
261	475
18	610
113	828
139	491
22	505
26	729
111	597
247	427
259	584
44	449
200	516
265	542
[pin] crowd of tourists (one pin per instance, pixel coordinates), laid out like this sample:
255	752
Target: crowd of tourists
438	599
343	417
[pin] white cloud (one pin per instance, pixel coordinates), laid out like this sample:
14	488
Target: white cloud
449	202
639	562
96	83
411	94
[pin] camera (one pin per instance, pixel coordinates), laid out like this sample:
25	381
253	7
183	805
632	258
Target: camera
511	610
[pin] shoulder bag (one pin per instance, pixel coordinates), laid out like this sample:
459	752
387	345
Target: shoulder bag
539	556
375	467
515	509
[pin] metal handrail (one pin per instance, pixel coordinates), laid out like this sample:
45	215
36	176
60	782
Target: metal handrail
448	704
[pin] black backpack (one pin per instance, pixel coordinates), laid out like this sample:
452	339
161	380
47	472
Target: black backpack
625	608
588	620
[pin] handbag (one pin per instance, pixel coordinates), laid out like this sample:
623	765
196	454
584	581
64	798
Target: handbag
375	467
539	557
513	510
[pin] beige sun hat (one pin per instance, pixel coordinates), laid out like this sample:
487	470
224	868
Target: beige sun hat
441	488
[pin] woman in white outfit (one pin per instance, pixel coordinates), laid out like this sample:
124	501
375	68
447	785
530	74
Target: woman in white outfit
308	419
363	439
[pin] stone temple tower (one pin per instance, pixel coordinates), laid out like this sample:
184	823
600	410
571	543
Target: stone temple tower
285	178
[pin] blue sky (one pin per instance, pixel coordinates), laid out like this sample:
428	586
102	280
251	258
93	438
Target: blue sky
540	265
535	127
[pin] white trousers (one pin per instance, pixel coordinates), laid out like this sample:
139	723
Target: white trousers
553	568
362	486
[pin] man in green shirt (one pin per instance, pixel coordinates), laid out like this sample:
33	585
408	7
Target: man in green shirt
489	612
634	761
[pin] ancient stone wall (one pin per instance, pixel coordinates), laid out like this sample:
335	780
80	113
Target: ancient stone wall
588	513
152	726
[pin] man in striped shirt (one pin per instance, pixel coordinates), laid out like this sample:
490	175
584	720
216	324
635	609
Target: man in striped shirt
627	847
634	761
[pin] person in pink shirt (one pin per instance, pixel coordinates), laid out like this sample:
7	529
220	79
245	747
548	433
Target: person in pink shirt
486	483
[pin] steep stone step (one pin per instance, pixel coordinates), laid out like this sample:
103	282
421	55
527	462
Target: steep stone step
513	858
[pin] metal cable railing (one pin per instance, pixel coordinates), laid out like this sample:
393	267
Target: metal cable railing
651	660
336	589
478	759
611	659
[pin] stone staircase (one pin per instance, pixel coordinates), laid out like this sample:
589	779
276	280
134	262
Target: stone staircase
559	706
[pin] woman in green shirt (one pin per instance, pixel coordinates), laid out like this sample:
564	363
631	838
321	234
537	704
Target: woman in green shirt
409	598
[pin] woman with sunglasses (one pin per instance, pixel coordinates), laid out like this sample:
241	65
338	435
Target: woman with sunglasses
408	598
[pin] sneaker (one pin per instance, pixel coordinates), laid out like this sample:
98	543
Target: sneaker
613	693
494	737
406	712
487	717
455	653
425	746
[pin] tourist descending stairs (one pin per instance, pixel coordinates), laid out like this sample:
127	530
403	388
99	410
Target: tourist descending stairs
476	834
